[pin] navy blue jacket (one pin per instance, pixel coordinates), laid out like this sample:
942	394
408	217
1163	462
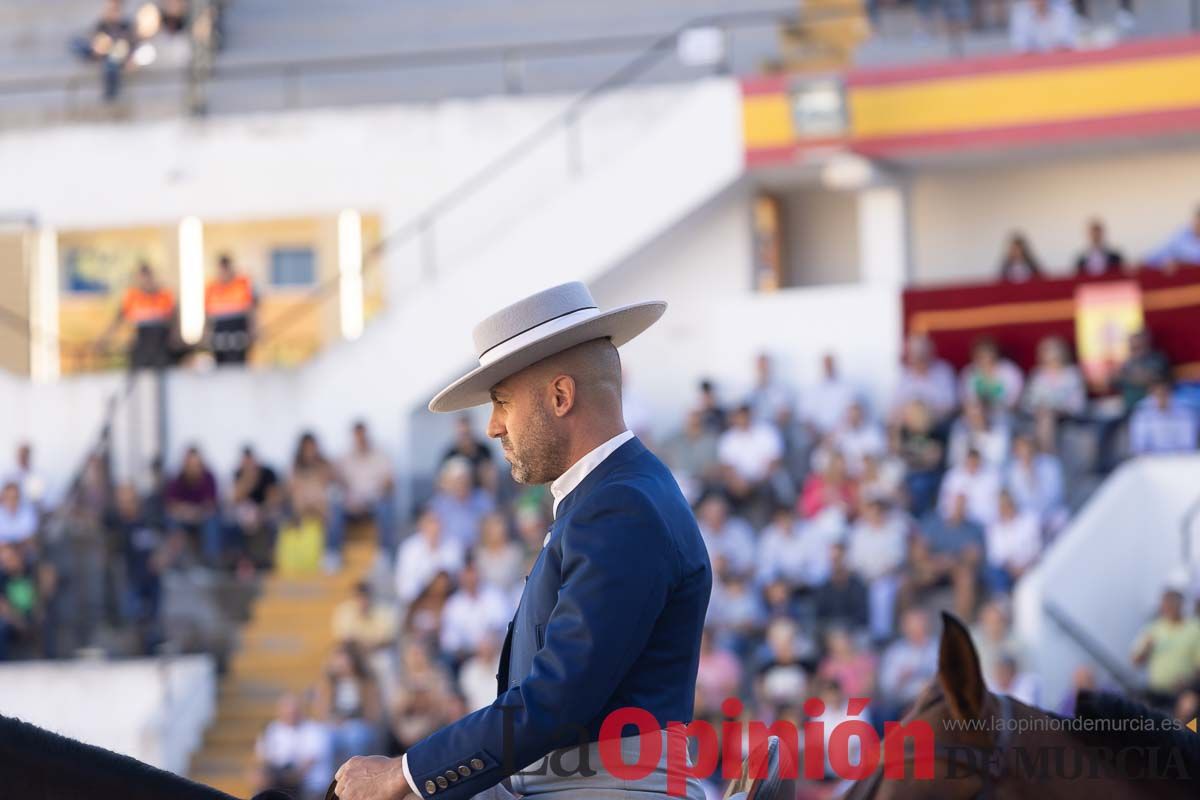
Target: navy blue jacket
611	616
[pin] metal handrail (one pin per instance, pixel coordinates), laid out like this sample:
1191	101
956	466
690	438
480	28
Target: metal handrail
1124	676
420	224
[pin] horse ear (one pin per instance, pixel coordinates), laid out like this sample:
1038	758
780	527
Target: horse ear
958	670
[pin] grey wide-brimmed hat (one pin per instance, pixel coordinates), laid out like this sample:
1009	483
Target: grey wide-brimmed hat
537	327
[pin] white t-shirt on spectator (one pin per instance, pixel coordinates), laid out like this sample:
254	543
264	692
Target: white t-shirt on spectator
1030	32
1016	542
800	556
826	403
293	745
855	443
992	444
477	682
750	452
417	564
1154	430
769	402
468	618
366	475
982	490
17	526
935	388
734	542
873	552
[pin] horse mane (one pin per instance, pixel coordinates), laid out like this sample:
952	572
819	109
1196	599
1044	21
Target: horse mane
1093	705
40	764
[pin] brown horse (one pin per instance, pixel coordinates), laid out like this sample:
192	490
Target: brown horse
991	746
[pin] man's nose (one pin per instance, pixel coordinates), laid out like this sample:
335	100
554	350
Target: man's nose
495	428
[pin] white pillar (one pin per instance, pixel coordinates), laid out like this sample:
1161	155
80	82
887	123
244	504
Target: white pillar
44	351
883	235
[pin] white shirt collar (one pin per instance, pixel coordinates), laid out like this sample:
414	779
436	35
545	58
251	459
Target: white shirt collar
565	483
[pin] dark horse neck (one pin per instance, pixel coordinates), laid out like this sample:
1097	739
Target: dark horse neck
38	765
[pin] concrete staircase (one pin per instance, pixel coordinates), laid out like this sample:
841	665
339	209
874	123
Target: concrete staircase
283	648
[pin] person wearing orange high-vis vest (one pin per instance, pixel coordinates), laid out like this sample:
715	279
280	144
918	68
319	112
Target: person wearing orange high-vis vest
150	308
229	305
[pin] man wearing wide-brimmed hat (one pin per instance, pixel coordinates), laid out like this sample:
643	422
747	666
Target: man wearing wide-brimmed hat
613	609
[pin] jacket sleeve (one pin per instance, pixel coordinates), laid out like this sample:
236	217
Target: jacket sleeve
618	564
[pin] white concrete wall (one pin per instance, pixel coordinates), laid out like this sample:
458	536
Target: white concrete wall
1128	536
961	217
152	710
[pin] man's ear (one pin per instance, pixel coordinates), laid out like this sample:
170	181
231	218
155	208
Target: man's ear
958	670
562	395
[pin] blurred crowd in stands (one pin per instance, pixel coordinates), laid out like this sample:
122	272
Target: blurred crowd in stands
835	529
166	33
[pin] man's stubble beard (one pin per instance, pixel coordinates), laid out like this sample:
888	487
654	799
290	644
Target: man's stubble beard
542	454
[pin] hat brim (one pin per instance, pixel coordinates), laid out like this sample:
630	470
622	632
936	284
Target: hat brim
619	325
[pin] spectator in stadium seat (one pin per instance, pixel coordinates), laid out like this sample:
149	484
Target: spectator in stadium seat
1182	249
474	611
825	403
1014	543
366	477
736	614
348	700
1010	680
35	488
847	663
691	455
18	519
709	405
477	676
977	483
110	43
1055	384
191	504
907	664
1035	481
360	621
312	491
751	456
423	555
26	587
1019	264
257	501
719	676
830	495
423	617
459	504
781	676
1097	258
295	753
1145	366
883	476
949	549
140	544
993	637
771	400
469	446
925	378
420	698
842	599
498	558
921	445
857	437
729	539
1161	424
1169	649
1042	26
876	551
993	380
977	430
792	552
